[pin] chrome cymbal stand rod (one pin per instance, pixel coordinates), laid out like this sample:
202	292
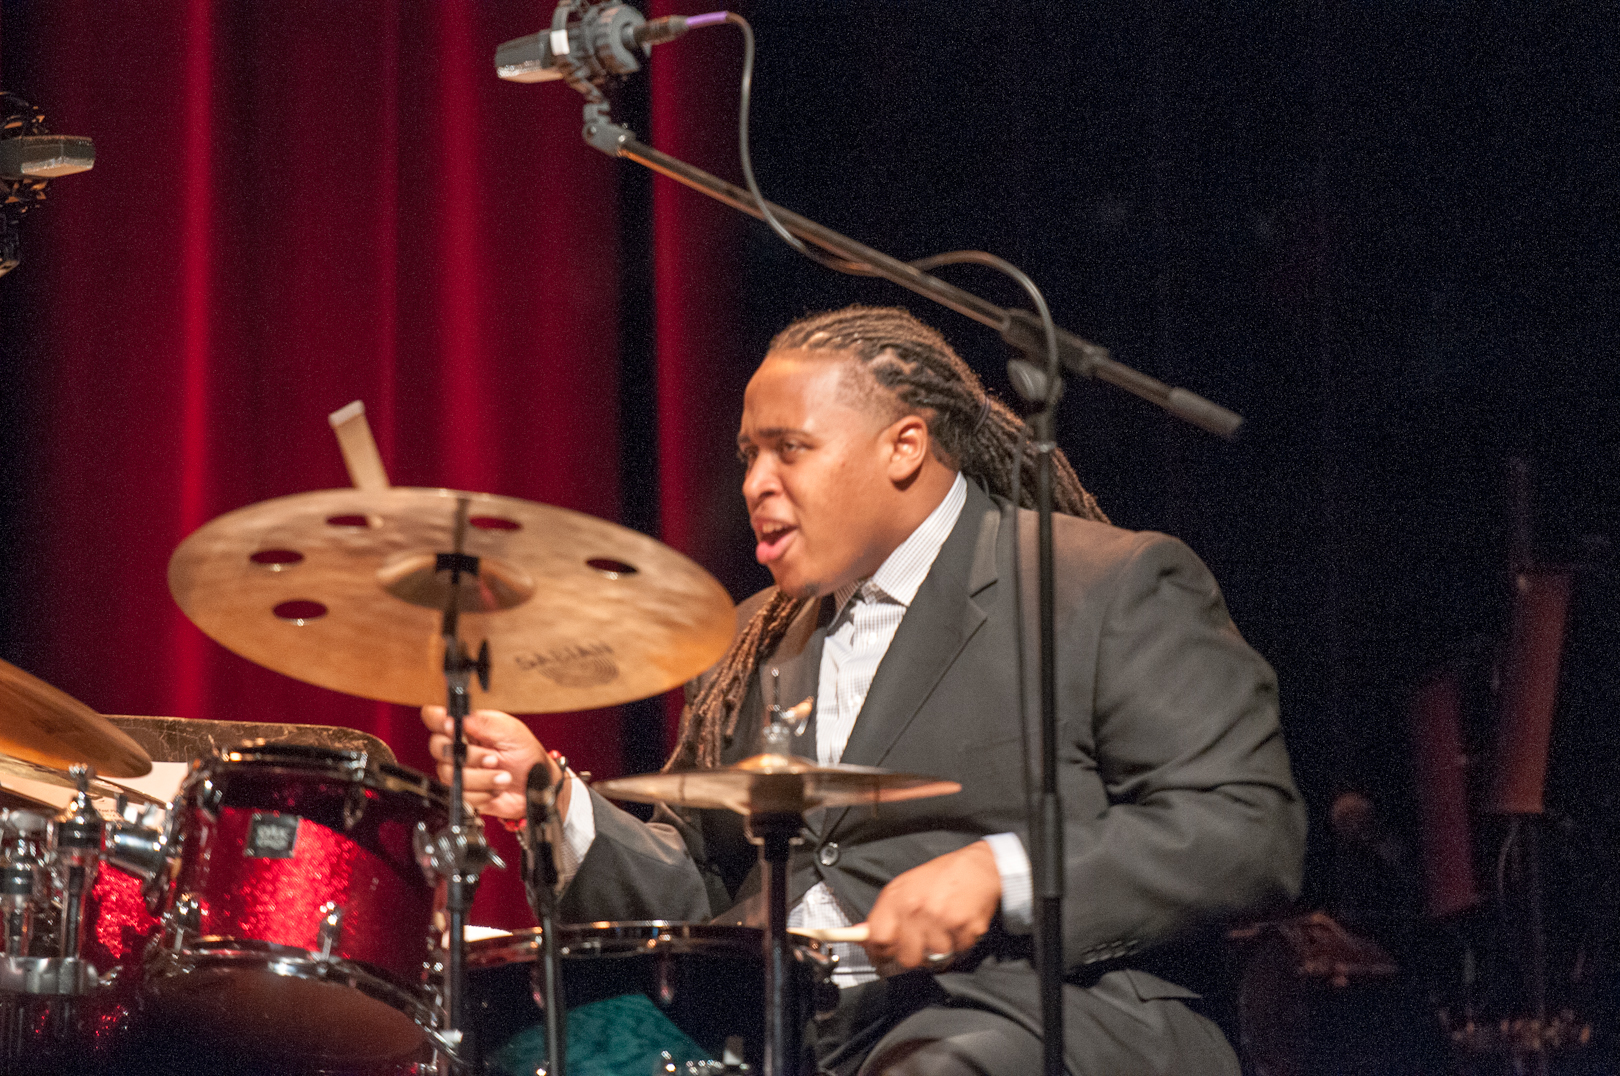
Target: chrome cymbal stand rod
459	854
775	832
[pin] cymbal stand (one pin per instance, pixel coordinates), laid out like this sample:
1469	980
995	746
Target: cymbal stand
459	853
774	823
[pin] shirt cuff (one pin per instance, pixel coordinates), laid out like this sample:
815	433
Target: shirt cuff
579	831
1017	883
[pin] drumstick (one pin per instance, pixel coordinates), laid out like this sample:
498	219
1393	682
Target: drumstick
857	933
360	453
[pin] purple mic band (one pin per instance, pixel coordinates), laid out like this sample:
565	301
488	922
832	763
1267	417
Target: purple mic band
709	19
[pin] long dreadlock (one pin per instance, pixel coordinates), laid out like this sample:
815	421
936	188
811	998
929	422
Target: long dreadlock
903	365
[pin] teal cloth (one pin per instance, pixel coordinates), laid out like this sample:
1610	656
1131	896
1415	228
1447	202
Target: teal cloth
620	1036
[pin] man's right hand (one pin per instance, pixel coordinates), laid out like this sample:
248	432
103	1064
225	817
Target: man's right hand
500	752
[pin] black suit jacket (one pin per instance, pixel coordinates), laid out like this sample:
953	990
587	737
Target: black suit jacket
1179	805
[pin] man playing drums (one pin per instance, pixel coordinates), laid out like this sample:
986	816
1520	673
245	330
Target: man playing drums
878	472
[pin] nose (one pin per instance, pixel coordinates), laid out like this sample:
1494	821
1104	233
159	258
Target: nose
760	480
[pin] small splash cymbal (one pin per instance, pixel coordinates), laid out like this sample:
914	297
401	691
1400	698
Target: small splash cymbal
346	588
50	728
776	783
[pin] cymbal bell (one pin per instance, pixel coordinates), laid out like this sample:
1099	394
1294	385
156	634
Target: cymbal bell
344	589
48	727
771	783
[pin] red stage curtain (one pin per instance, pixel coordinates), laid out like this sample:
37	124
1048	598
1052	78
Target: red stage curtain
296	205
703	361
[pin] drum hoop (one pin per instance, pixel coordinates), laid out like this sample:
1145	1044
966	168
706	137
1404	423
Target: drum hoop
258	756
624	939
199	954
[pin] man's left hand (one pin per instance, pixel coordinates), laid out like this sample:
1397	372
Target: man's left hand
938	909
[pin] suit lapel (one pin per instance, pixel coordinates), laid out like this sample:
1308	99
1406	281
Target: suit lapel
939	623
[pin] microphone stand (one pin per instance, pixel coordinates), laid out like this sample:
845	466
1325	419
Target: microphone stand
1046	831
1020	328
540	803
1041	383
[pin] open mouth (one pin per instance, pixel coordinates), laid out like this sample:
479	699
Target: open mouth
773	540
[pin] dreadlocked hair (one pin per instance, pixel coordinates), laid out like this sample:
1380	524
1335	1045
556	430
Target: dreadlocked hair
711	715
971	429
908	367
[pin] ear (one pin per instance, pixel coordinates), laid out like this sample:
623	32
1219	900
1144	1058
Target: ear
908	444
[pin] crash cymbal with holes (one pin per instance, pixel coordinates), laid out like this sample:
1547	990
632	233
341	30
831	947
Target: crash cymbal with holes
776	783
342	588
48	727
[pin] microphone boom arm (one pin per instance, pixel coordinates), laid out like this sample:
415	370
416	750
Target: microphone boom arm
1018	327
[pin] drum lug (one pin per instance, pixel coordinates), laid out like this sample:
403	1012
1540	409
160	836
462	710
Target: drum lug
422	845
824	992
330	929
183	919
209	797
354	806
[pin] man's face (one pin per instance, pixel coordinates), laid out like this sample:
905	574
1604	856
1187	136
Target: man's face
818	481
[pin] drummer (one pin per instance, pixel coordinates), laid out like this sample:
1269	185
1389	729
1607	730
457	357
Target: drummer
878	473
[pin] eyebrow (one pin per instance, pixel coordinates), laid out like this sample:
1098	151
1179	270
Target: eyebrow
771	433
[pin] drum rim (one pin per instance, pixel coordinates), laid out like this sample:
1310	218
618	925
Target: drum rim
199	954
632	937
265	757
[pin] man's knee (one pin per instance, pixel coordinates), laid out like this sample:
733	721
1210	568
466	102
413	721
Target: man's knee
936	1043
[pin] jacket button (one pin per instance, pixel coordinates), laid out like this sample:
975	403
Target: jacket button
828	853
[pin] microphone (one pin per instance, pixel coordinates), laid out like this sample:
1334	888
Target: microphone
540	797
30	157
608	40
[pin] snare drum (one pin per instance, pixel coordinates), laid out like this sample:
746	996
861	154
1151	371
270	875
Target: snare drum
298	923
640	996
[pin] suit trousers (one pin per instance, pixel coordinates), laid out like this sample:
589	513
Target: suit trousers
909	1026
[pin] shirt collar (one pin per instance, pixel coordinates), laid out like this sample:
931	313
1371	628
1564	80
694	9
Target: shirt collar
903	571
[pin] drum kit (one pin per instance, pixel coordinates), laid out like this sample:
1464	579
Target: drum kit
299	903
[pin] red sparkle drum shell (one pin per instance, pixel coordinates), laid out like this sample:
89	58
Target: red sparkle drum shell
118	925
46	1035
273	840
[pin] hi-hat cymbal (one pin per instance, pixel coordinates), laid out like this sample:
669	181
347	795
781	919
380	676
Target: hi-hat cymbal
776	783
339	588
49	727
100	788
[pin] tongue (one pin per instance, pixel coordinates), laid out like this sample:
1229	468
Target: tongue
770	548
